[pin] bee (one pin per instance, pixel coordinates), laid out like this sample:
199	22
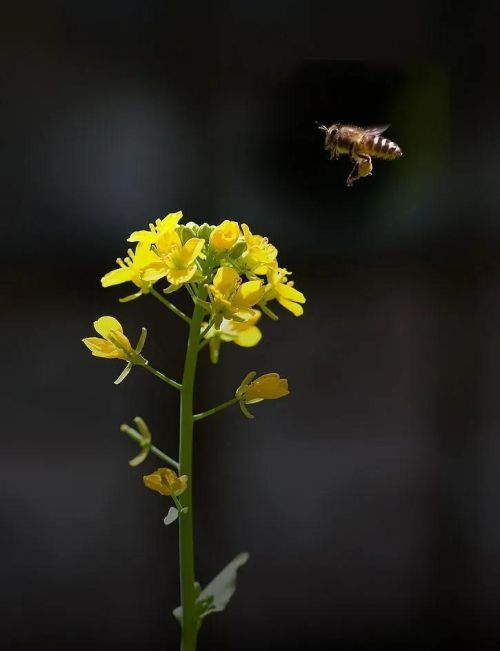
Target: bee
360	144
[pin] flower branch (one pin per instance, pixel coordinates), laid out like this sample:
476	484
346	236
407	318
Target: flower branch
162	376
173	308
215	410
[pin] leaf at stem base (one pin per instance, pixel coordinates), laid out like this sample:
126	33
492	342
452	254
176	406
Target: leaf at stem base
217	594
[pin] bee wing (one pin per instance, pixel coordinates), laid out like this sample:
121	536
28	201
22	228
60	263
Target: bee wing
376	131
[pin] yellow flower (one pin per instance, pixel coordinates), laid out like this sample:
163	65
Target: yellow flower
245	334
166	482
260	252
231	296
266	387
283	291
113	344
156	230
175	261
132	269
224	236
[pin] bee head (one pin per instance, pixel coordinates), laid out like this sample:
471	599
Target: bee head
331	133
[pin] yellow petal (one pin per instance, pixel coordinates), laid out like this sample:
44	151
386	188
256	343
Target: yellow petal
251	317
169	240
266	387
292	307
226	280
179	276
148	237
120	341
290	293
260	269
166	482
117	276
169	222
249	294
143	255
249	337
102	348
191	250
180	485
153	481
154	271
160	227
247	233
224	236
105	324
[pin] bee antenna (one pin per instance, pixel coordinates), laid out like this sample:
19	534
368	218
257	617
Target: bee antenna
321	126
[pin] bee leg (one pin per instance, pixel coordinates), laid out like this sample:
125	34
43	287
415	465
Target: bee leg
365	165
362	166
353	176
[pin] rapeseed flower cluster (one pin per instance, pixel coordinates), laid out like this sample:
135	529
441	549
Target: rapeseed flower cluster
233	273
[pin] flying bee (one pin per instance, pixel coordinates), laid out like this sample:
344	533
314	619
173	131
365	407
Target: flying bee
360	145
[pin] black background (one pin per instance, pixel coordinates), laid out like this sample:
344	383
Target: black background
368	499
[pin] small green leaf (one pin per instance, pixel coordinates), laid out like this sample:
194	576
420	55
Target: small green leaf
217	594
131	297
124	373
140	457
171	288
171	516
245	410
143	429
237	250
142	340
268	312
204	231
186	232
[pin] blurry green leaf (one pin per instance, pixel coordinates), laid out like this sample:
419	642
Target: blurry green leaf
268	312
217	594
142	340
140	457
143	429
171	288
186	232
124	373
131	297
237	250
204	231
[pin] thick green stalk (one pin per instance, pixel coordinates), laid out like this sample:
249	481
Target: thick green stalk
186	546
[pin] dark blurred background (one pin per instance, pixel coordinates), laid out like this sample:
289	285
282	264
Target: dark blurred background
369	499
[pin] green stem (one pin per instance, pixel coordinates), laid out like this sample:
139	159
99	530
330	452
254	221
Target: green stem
186	545
134	434
170	305
162	376
214	410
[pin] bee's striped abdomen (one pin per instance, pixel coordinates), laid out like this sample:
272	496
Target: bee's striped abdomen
381	147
